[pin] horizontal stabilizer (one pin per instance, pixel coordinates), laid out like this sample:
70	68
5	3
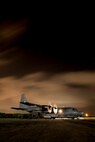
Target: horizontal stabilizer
18	108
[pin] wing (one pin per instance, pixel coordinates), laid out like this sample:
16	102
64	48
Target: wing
32	104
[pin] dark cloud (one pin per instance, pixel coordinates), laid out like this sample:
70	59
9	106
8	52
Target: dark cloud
78	86
31	48
31	60
24	61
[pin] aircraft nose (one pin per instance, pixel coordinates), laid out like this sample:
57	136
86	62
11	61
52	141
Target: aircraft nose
81	112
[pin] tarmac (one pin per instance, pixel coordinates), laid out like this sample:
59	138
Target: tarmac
44	130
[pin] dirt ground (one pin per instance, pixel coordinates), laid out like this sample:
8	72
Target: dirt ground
47	130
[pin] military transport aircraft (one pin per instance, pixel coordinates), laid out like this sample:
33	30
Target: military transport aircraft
48	111
35	109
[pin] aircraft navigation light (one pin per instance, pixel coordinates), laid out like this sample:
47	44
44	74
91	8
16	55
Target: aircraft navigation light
60	111
86	114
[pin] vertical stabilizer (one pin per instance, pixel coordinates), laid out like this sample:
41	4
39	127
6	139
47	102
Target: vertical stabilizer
23	99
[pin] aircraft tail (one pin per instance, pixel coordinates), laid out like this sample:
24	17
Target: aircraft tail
23	98
22	101
22	106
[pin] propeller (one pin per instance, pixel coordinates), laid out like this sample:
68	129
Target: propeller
52	108
55	108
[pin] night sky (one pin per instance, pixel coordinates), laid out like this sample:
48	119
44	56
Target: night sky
47	57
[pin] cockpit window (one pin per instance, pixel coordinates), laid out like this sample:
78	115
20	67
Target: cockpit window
74	109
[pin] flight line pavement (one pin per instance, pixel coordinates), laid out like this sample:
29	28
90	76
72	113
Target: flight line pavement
41	130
